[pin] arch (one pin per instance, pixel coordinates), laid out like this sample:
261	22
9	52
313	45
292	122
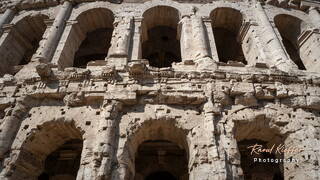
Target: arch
161	15
290	28
256	126
157	134
226	24
37	156
89	38
154	3
160	43
23	37
64	162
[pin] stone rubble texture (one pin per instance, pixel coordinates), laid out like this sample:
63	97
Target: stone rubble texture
201	104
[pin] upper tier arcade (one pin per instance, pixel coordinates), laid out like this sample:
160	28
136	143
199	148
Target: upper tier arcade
142	36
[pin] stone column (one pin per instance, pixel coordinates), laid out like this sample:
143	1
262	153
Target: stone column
6	18
200	44
11	125
119	50
213	48
209	164
106	139
86	168
271	40
53	33
314	16
136	39
121	37
186	38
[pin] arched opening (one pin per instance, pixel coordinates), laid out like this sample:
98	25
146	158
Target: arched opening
161	175
163	158
52	151
21	43
158	148
226	24
160	44
290	29
88	39
94	47
64	162
255	135
97	36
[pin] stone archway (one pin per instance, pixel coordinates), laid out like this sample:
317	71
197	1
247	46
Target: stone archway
226	24
46	153
290	28
249	127
23	37
160	42
97	36
159	159
64	162
160	142
88	38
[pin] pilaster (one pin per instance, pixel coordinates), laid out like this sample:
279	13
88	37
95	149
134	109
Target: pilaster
186	39
136	39
212	44
119	50
106	139
200	44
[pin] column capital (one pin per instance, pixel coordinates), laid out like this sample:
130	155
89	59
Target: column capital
7	28
185	16
71	22
206	19
138	19
183	20
122	19
49	22
244	30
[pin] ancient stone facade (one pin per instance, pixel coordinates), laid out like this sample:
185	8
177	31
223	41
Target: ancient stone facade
159	89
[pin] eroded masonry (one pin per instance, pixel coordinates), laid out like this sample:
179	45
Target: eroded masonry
160	89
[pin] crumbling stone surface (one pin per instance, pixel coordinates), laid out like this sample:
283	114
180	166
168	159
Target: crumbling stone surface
120	118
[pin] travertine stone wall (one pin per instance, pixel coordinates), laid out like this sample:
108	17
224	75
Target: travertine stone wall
202	105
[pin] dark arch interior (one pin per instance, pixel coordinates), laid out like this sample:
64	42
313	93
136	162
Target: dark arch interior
161	159
226	24
293	52
229	49
161	175
159	36
162	48
24	39
255	170
290	28
94	47
89	39
64	162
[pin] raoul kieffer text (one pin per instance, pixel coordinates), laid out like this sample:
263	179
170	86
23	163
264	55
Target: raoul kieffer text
274	149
